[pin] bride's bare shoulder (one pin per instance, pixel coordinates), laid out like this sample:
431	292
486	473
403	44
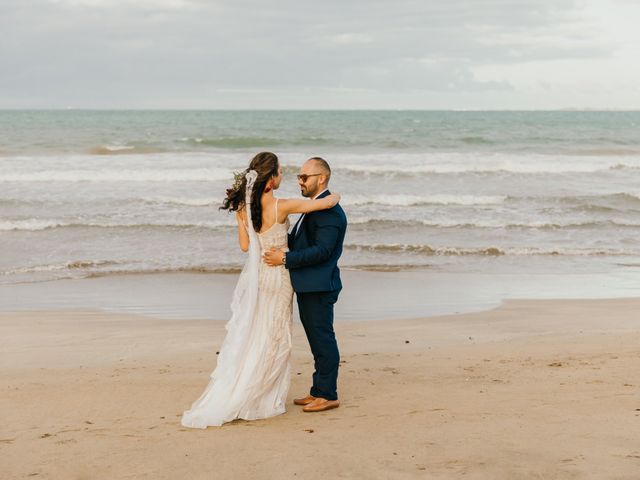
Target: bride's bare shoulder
289	205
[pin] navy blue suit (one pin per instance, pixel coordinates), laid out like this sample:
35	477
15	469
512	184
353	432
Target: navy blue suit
312	261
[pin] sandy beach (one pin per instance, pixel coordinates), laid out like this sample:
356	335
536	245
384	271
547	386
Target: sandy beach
532	389
487	160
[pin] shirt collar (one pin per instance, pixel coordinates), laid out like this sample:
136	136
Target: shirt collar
314	198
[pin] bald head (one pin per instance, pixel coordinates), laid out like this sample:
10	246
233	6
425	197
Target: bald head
322	166
314	177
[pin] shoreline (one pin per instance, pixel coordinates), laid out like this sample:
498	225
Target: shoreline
533	388
367	295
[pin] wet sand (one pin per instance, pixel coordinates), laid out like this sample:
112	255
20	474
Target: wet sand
367	295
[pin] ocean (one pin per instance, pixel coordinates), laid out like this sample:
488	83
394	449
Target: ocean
100	193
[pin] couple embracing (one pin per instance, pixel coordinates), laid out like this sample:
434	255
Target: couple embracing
252	376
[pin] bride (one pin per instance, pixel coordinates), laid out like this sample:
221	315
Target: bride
251	379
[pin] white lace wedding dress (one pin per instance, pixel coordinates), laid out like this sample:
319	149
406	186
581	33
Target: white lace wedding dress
252	376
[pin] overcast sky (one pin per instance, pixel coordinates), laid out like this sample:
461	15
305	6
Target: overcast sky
294	54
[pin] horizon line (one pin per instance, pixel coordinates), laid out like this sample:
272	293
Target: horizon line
136	109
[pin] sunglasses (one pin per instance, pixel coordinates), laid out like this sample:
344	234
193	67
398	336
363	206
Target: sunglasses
304	177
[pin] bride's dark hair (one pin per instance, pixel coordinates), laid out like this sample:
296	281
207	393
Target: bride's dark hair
266	165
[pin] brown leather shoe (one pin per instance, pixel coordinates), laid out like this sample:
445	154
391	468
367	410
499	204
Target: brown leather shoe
304	401
321	404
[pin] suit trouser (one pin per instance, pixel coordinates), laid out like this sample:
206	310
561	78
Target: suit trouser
316	314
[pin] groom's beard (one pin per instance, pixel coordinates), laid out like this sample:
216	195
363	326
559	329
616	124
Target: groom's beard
309	192
305	192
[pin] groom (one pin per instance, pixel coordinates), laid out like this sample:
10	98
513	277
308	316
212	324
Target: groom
315	245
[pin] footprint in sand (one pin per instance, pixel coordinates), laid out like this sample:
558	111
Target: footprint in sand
69	440
498	380
390	369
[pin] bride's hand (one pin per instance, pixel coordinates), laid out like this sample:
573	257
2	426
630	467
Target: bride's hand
335	198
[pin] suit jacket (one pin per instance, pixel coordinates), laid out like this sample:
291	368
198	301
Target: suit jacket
314	250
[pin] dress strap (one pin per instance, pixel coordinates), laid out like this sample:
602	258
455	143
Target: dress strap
277	209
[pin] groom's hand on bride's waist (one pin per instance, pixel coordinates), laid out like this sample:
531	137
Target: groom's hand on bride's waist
273	257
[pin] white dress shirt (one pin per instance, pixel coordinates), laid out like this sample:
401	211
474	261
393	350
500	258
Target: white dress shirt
302	217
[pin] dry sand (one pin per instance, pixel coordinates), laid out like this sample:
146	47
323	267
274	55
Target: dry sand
531	390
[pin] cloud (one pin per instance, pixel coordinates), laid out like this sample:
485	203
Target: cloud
138	4
117	53
416	74
351	38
